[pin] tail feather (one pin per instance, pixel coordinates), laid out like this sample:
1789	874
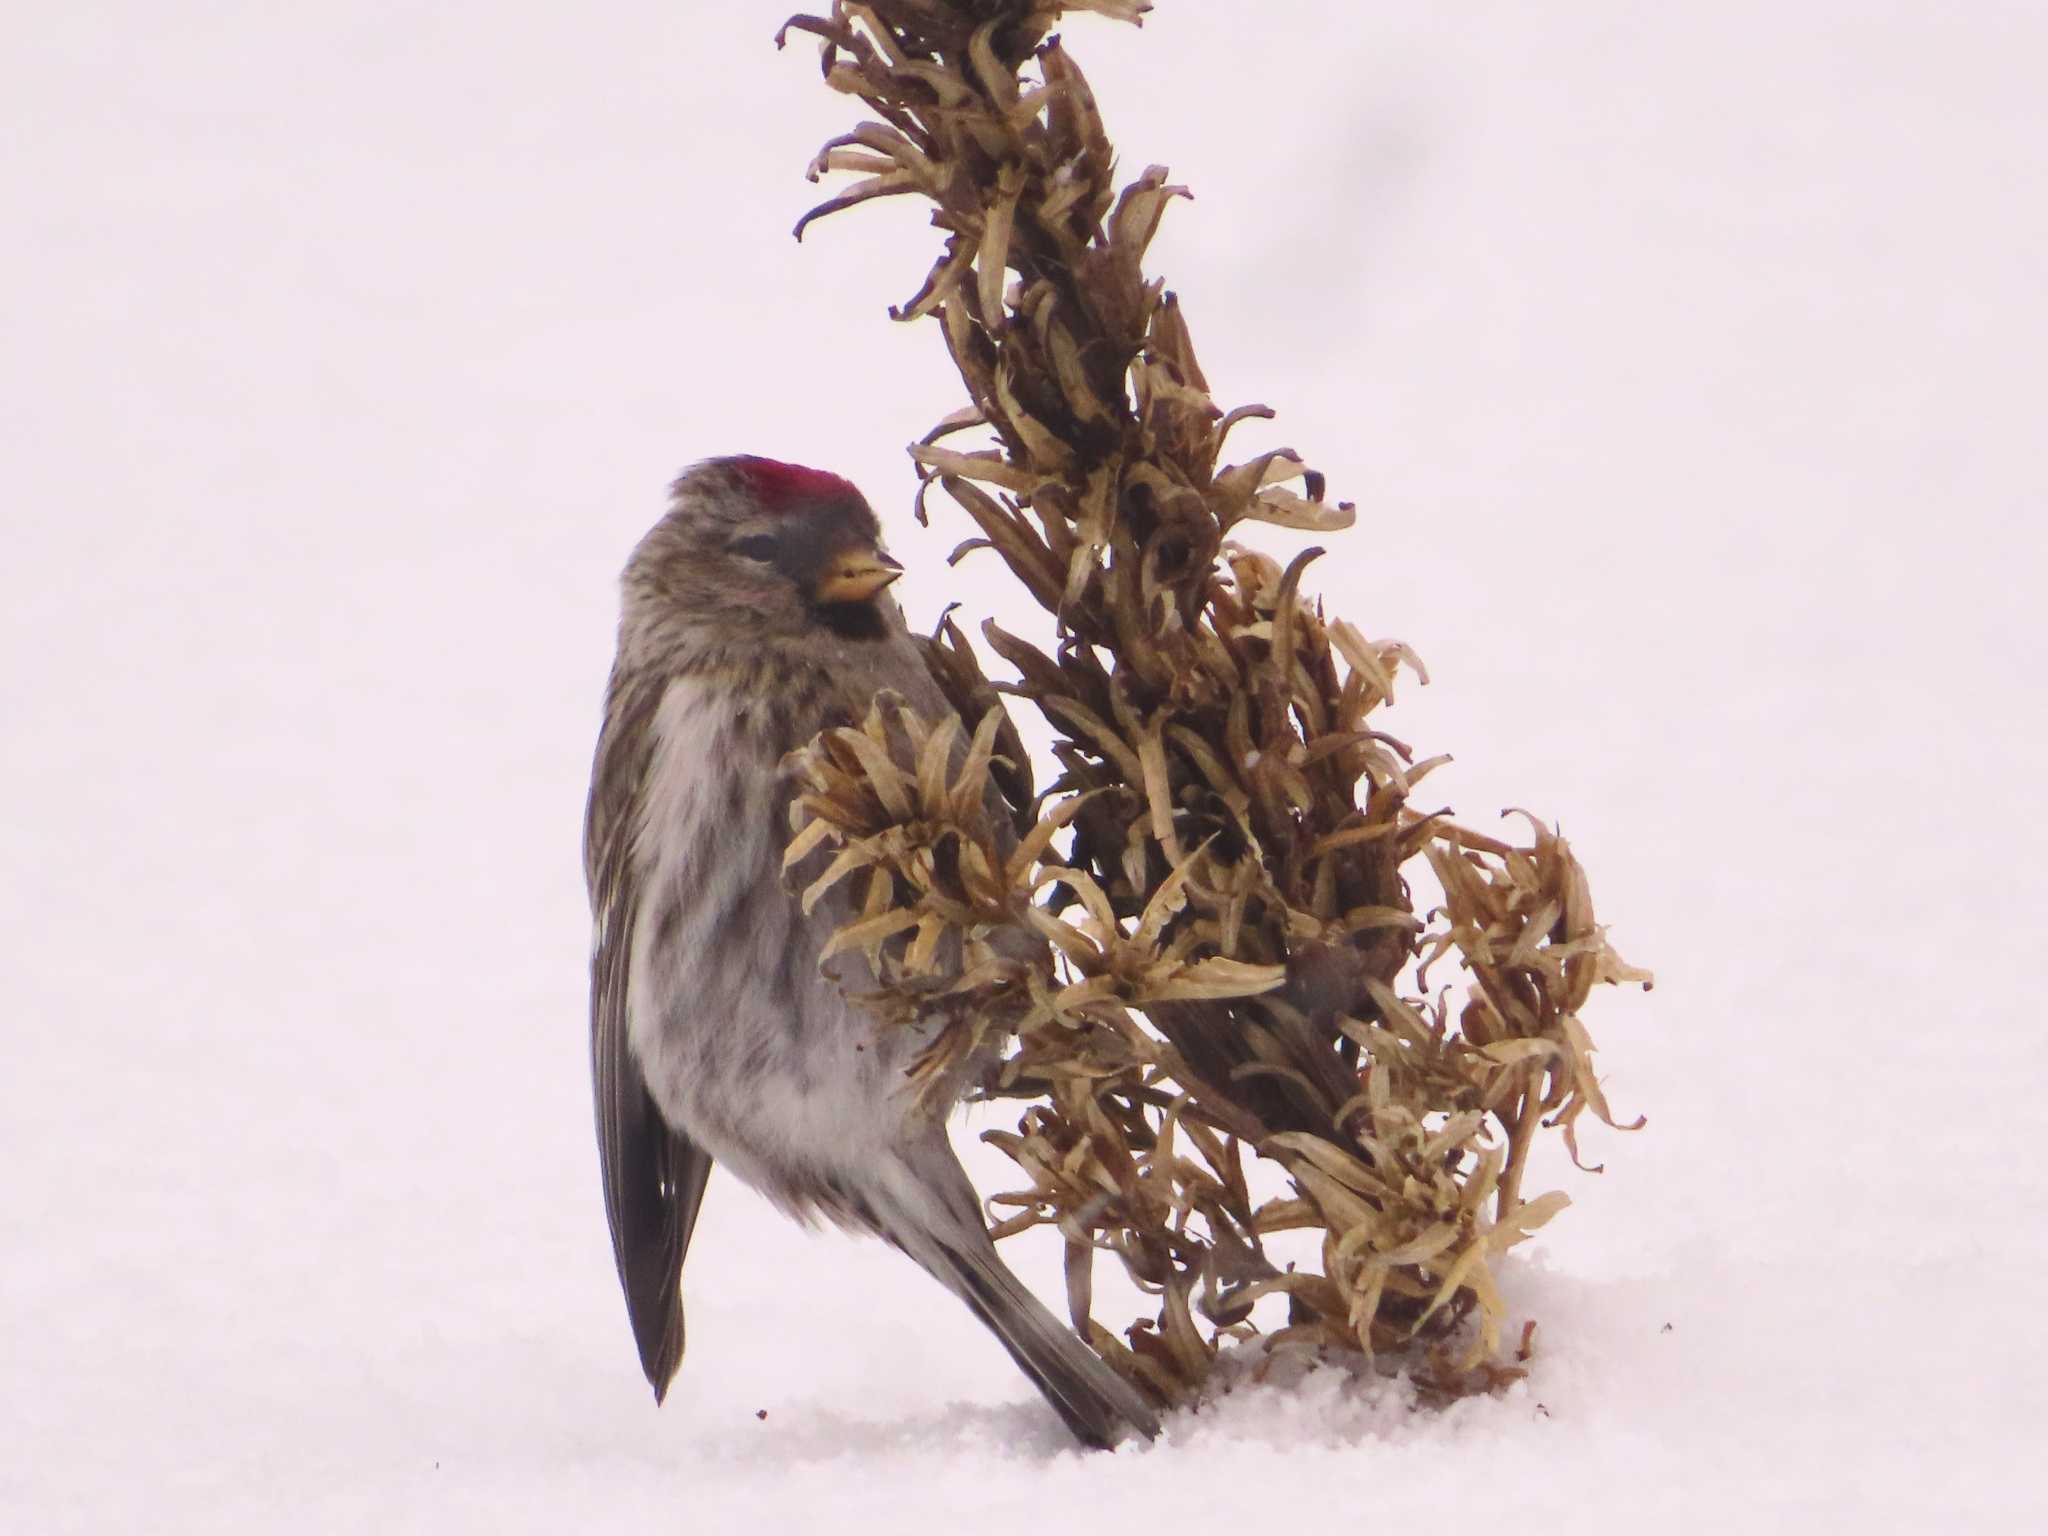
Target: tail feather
1095	1402
953	1246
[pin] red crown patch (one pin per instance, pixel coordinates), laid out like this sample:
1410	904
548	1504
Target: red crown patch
779	486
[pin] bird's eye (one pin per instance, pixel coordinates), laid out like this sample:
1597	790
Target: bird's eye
759	546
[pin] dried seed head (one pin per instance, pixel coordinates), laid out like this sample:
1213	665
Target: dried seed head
1230	957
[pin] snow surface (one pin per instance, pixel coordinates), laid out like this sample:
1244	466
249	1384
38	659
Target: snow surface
1687	364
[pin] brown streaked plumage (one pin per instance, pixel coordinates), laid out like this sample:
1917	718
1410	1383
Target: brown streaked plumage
754	616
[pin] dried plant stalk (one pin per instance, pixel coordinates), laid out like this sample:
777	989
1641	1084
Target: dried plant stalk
1234	964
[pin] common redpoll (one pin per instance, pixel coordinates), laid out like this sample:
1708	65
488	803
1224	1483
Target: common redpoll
754	616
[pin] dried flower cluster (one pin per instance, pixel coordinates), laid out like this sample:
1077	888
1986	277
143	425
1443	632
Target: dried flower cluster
1234	962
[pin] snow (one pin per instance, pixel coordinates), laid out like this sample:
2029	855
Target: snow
1686	365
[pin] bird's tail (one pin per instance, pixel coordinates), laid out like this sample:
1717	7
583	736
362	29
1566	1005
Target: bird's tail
952	1244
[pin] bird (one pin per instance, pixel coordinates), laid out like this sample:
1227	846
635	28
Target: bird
754	614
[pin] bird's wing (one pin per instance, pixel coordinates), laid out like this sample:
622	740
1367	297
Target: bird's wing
653	1174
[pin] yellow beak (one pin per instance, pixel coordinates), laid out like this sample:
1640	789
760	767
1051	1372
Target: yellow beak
855	576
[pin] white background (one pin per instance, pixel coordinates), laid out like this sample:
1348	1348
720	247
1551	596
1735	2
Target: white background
1687	366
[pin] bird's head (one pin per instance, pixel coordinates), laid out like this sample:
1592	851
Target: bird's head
755	551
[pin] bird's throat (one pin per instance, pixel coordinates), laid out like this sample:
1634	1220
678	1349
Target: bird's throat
853	621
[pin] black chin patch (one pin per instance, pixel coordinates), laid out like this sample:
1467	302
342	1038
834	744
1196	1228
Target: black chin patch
852	621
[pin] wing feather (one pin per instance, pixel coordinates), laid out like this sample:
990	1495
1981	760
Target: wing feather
653	1174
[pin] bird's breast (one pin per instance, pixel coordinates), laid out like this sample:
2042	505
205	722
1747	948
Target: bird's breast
741	1040
713	910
